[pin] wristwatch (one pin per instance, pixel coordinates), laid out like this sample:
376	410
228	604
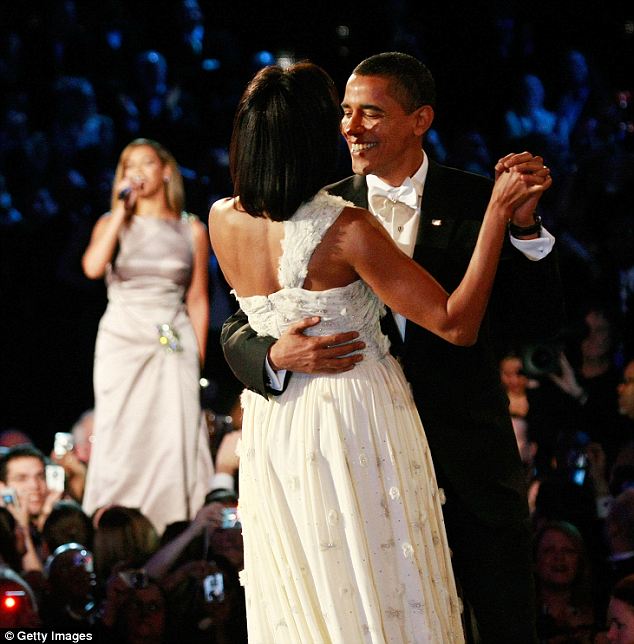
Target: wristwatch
524	231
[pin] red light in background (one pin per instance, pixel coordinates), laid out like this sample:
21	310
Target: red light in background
9	603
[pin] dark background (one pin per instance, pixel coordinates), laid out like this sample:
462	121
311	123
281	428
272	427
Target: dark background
477	53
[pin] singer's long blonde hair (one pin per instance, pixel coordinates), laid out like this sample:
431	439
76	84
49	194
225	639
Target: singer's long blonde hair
174	190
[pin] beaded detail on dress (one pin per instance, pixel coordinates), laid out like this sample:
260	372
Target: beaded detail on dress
347	308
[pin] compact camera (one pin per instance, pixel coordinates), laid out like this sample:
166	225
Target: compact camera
55	478
230	518
214	587
63	443
9	497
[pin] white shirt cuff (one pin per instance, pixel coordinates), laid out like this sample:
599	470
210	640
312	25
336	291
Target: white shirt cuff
276	378
222	481
535	249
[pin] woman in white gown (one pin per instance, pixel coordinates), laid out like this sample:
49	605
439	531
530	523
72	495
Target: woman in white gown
343	531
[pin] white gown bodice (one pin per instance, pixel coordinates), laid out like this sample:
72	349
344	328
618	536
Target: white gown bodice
353	307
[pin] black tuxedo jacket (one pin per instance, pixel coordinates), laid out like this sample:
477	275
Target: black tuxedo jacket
457	389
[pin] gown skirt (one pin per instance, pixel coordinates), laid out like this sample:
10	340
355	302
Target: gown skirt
342	520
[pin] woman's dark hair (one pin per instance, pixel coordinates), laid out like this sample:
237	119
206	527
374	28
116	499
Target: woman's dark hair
123	534
67	523
284	142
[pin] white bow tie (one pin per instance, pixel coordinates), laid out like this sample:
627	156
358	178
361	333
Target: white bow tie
405	194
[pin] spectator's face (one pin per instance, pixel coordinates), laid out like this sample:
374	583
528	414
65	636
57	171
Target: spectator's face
598	341
382	138
621	622
25	474
626	392
145	615
511	375
557	560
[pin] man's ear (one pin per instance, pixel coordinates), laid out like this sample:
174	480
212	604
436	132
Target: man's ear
424	118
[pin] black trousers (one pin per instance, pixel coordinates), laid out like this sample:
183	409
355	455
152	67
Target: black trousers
493	567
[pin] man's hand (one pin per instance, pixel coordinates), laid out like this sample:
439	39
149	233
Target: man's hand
295	351
19	510
526	163
567	381
51	499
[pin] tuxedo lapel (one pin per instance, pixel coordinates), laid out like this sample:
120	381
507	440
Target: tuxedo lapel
353	189
435	229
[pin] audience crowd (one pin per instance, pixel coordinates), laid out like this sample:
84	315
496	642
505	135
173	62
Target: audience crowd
78	83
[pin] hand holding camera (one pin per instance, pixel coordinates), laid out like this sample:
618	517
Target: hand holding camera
9	497
208	517
11	501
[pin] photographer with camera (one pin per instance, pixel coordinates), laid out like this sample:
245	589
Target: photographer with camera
134	609
71	450
572	390
25	493
198	570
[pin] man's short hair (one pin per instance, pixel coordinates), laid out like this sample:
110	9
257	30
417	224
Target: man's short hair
411	81
19	451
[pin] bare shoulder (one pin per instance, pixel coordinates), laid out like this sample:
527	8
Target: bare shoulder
224	222
222	208
106	216
101	222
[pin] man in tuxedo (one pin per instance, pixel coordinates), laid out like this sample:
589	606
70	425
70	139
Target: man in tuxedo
387	109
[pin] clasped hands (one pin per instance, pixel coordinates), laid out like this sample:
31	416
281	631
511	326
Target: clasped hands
525	163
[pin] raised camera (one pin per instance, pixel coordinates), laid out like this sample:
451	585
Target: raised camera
541	359
230	518
214	587
9	496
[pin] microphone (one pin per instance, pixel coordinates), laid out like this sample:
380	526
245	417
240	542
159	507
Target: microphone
123	194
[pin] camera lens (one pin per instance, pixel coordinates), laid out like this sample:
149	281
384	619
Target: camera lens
541	359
